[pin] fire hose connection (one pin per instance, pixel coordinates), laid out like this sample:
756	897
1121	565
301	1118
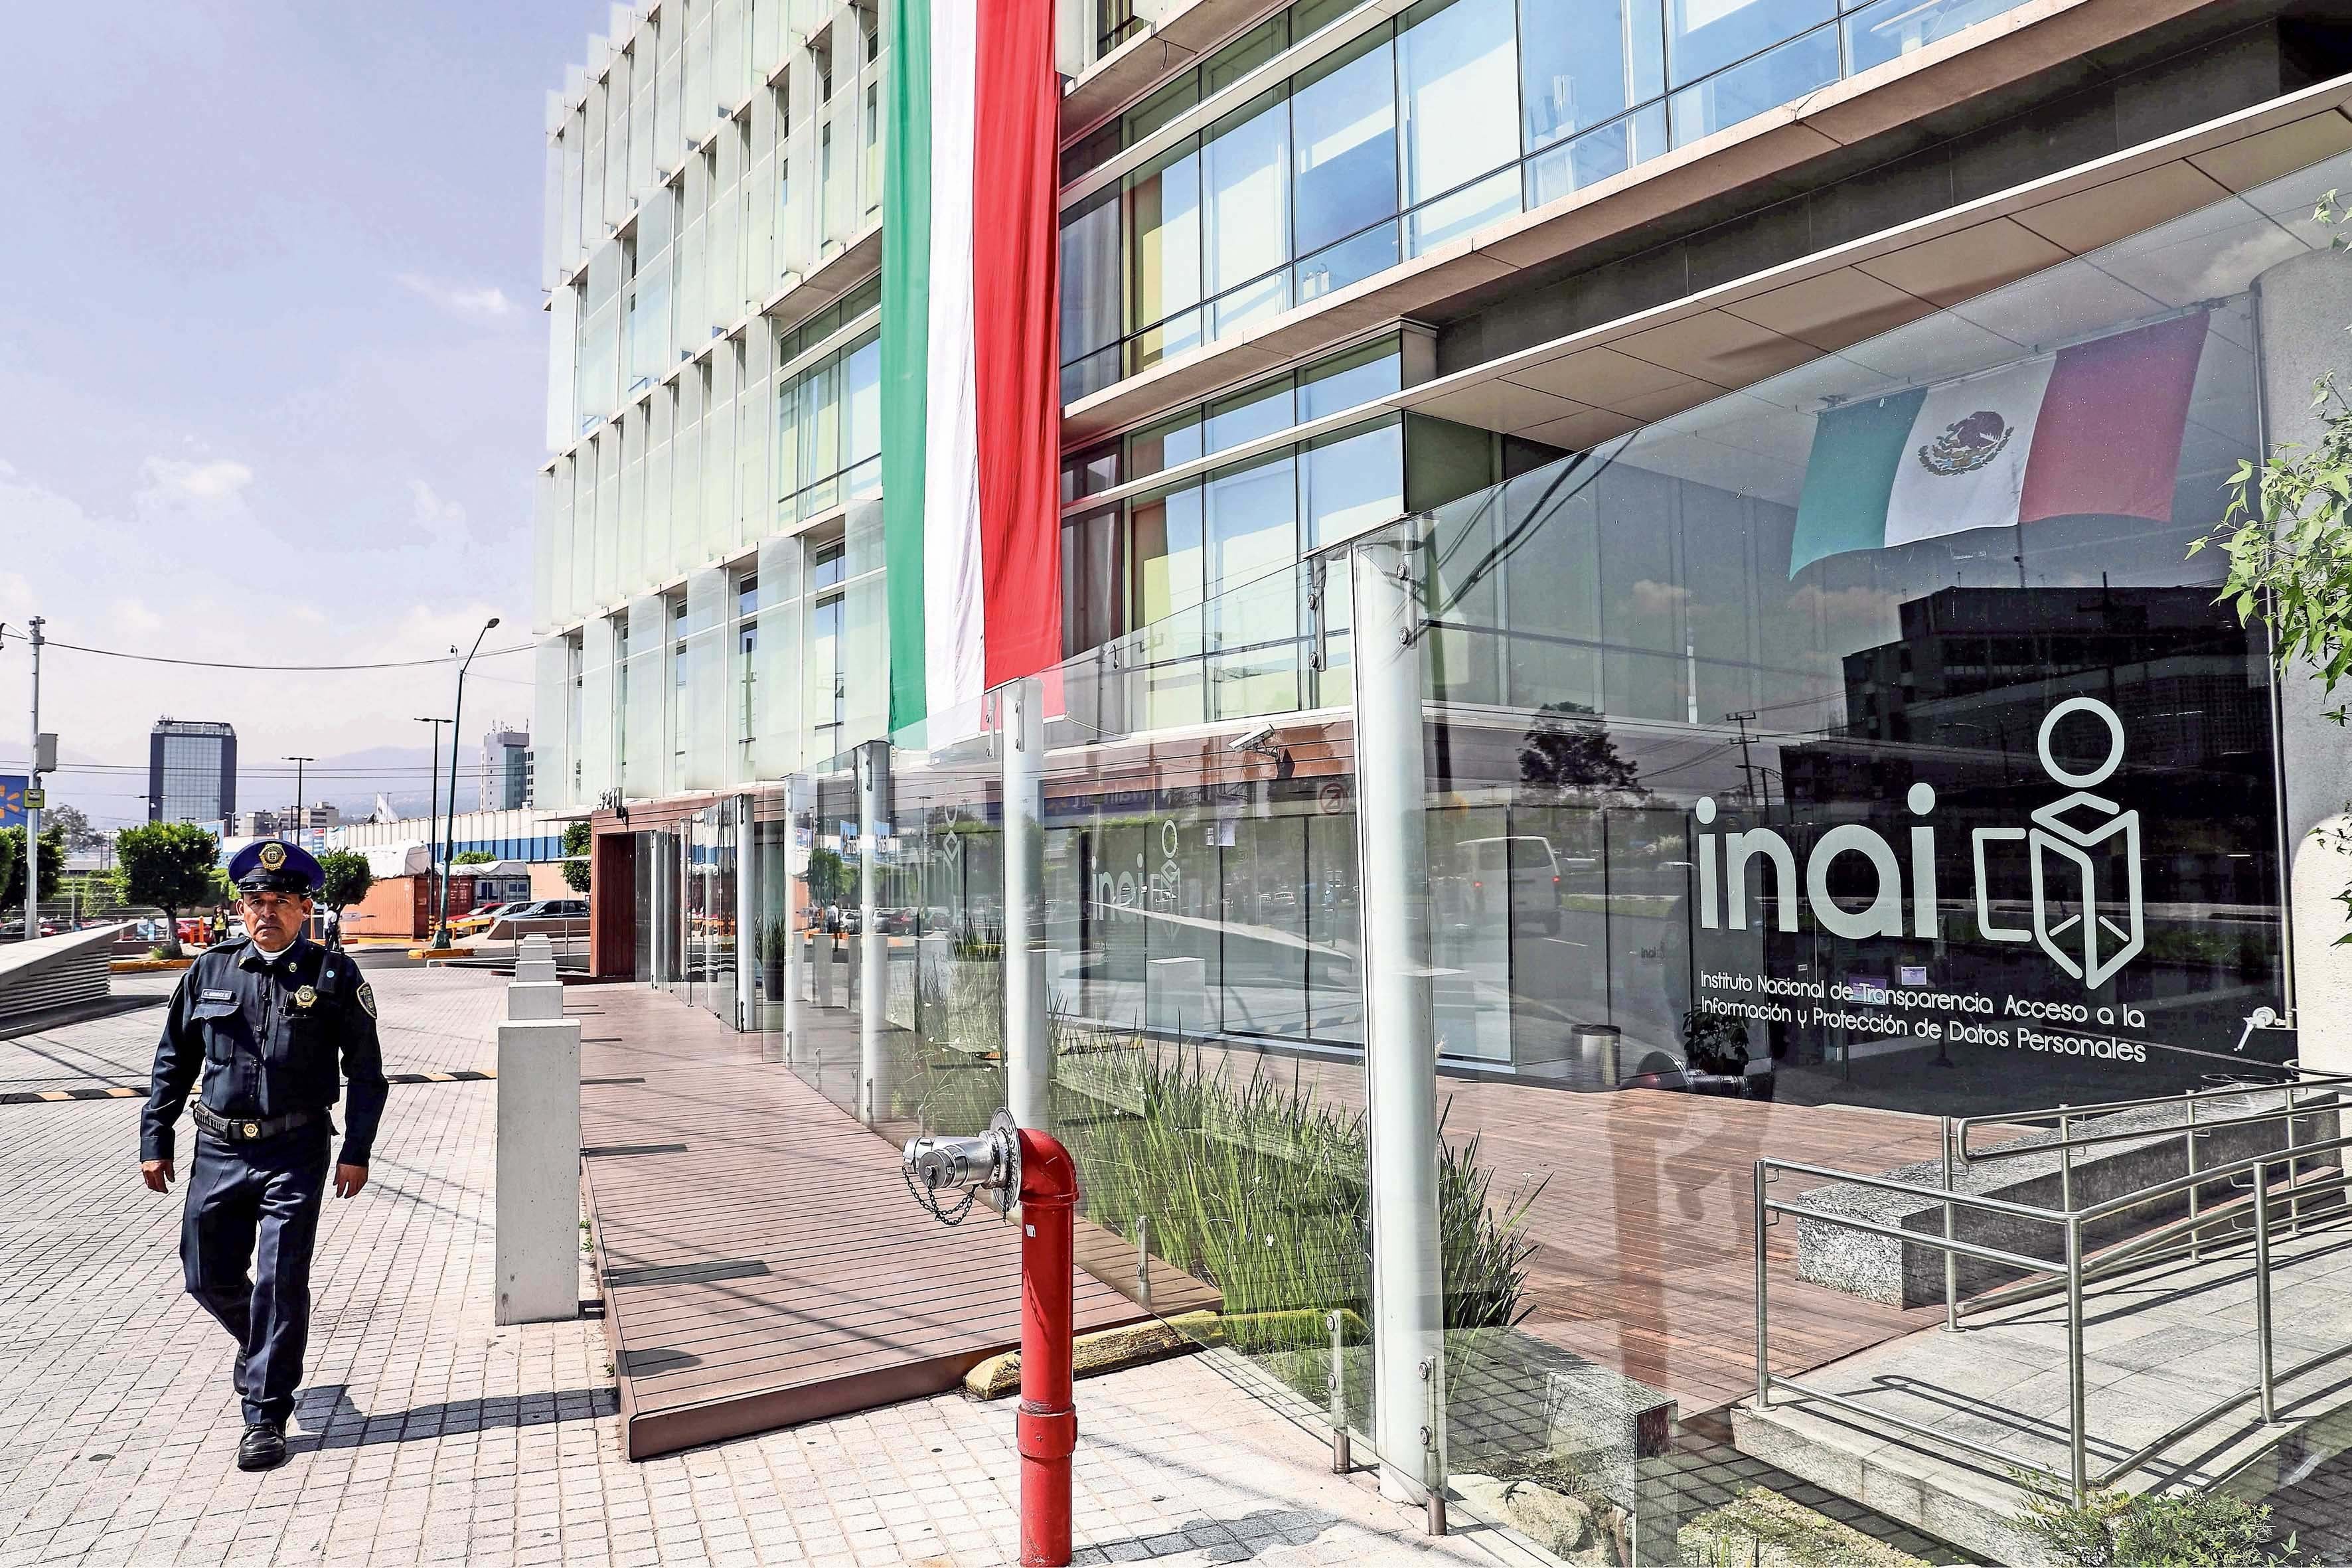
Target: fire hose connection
1034	1168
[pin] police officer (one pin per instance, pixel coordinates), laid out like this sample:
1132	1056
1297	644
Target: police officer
266	1020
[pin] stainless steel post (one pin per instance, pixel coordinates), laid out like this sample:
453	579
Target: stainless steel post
1763	1307
1028	1032
2196	1203
2077	1445
1342	1460
873	946
1143	1261
2263	1288
1433	1453
2294	1172
1951	1259
2066	1161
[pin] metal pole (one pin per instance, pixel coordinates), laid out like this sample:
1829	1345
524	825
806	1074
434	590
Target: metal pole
1342	1460
433	821
456	729
2077	1445
2066	1161
1028	1033
1951	1259
1401	1046
2293	1172
33	813
2196	1234
2263	1289
795	882
874	953
1763	1304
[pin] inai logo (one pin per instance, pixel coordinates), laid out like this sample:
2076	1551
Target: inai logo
2071	839
2083	851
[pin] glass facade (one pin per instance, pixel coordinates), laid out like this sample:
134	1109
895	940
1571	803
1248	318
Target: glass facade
1411	134
191	772
1847	772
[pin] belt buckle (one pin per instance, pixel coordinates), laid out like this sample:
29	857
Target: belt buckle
252	1129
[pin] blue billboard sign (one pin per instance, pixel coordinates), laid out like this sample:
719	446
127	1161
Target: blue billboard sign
12	799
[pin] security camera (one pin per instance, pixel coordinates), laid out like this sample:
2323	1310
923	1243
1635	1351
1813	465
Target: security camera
1257	740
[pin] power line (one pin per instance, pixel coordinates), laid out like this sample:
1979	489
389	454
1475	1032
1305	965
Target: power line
265	669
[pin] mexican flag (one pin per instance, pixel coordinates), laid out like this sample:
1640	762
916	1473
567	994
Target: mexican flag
2094	428
970	363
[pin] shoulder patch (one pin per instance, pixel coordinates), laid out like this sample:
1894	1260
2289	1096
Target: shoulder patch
367	998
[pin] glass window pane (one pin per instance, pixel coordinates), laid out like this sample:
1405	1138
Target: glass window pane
1706	35
1353	481
1247	416
1164	444
1090	277
1344	117
1243	173
1891	28
1597	155
1350	261
1465	212
1252	521
1458	71
1245	54
1767	82
1269	296
865	401
1572	64
1345	381
1162	107
1166	535
1164	219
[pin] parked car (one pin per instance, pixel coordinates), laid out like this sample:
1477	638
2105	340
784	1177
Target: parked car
483	917
1521	868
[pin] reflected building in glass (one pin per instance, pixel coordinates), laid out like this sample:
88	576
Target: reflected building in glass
1853	885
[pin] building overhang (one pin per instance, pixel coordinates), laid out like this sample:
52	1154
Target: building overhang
2038	41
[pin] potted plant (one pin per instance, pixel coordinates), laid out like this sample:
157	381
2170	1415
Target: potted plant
775	941
1715	1057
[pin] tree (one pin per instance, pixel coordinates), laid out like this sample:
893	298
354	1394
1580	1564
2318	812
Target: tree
12	862
2287	535
473	858
348	879
80	836
168	864
576	842
1569	748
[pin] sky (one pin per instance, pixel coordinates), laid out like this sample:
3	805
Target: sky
272	369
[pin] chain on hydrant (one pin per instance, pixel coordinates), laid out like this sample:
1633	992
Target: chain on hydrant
1034	1167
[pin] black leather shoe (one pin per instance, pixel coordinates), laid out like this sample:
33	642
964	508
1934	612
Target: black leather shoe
264	1447
236	1375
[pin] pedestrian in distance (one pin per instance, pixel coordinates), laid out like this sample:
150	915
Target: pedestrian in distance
276	1024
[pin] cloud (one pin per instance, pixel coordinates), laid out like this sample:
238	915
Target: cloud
440	522
135	615
472	304
1659	598
209	486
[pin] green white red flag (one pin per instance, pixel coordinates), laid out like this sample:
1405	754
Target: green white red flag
970	385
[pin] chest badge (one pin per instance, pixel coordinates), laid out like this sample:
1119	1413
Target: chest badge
306	996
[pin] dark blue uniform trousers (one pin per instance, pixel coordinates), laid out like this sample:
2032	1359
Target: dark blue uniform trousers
270	1190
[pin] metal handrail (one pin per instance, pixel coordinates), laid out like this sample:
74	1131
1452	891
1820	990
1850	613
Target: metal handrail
2078	1479
2065	1115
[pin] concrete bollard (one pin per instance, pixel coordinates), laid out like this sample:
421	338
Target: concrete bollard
538	1203
530	970
534	1000
535	949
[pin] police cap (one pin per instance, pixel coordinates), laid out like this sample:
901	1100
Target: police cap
274	866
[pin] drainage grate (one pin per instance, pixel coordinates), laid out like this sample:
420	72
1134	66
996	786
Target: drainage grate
585	1081
608	1151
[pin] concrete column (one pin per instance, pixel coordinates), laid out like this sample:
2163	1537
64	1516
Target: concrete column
873	947
534	1000
538	1203
795	874
1400	1045
2302	308
527	970
1028	1036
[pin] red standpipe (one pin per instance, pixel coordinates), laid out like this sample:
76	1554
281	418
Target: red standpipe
1048	1422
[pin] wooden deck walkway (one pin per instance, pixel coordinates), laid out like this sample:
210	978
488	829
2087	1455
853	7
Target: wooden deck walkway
762	1260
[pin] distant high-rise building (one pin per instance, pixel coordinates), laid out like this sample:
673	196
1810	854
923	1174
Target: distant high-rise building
285	823
505	769
191	770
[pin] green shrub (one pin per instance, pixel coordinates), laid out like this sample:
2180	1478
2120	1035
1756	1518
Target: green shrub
2189	1530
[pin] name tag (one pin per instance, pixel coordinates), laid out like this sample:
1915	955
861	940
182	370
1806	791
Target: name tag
219	997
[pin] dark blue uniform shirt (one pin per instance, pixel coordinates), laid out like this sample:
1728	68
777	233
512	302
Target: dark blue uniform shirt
270	1038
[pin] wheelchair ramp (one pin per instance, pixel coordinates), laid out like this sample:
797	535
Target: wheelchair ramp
2160	1347
762	1263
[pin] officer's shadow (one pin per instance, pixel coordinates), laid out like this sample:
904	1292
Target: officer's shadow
325	1417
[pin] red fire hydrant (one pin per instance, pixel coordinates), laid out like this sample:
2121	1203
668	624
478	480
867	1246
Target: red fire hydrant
1034	1168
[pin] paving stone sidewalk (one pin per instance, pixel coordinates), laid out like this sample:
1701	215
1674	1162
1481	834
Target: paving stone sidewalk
428	1434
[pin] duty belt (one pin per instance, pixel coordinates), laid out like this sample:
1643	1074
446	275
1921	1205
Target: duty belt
248	1129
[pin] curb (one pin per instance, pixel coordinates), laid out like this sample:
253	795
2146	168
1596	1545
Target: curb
1105	1350
146	965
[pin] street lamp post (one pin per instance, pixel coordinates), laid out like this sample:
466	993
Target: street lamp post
297	761
449	839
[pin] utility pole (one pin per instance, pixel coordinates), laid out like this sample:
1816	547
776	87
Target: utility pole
1746	769
32	813
298	823
433	820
